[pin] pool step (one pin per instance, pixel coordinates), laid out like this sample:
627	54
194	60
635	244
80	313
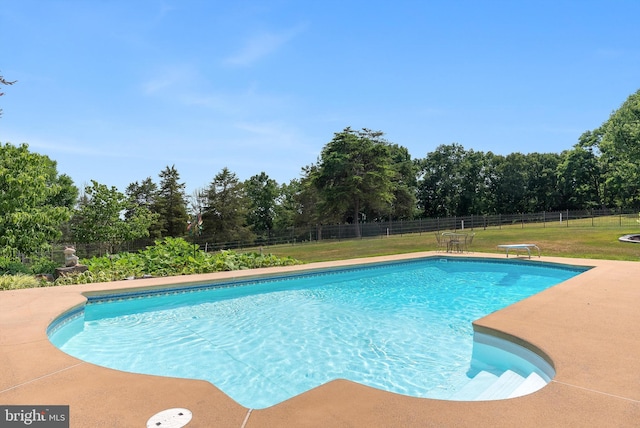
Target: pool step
488	386
502	387
475	386
532	383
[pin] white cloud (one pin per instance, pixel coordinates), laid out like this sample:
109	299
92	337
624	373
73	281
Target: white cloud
262	45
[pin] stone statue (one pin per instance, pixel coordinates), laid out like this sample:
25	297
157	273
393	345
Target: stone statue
70	258
71	264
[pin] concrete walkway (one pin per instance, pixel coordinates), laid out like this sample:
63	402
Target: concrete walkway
589	326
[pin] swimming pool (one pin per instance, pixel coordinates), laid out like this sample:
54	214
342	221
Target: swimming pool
404	327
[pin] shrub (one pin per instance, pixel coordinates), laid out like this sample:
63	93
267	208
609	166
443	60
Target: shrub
17	281
86	277
42	265
11	266
170	256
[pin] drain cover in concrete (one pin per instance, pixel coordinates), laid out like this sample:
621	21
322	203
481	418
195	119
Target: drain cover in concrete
170	418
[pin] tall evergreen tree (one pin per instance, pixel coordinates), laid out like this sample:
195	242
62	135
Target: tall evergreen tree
355	175
224	217
171	204
144	195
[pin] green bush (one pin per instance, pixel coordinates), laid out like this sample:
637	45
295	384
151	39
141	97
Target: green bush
168	257
86	277
42	265
37	265
20	280
11	266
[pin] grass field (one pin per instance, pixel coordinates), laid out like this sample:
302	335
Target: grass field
578	241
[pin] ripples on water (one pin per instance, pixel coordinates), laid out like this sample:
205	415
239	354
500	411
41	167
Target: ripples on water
405	328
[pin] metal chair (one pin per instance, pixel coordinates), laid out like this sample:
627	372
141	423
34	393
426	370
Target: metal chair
441	242
468	242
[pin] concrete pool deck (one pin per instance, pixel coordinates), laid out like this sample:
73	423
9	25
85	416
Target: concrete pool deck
589	326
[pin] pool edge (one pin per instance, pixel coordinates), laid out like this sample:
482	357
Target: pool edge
27	313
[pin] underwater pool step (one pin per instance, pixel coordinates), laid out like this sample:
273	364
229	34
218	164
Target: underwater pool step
502	388
476	386
488	386
531	384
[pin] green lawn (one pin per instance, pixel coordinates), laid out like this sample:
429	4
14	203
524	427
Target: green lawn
579	241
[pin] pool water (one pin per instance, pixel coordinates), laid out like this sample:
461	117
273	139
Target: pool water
401	327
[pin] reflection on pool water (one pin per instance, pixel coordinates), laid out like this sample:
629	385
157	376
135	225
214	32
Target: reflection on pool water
403	327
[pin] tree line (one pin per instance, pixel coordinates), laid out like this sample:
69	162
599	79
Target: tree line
358	177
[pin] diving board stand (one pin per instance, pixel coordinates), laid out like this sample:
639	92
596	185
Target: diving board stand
518	247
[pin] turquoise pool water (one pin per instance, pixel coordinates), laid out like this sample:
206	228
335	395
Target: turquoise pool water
401	327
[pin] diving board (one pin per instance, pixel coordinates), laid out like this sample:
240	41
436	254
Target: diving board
517	247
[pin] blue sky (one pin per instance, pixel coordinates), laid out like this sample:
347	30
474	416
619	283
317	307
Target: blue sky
117	90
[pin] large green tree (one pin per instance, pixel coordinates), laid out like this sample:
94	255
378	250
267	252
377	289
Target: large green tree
404	183
619	145
299	202
290	207
580	178
224	216
542	192
354	175
511	184
448	181
34	200
100	220
144	194
616	147
459	182
171	203
621	133
261	192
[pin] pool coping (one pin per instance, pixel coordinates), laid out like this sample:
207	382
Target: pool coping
588	326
